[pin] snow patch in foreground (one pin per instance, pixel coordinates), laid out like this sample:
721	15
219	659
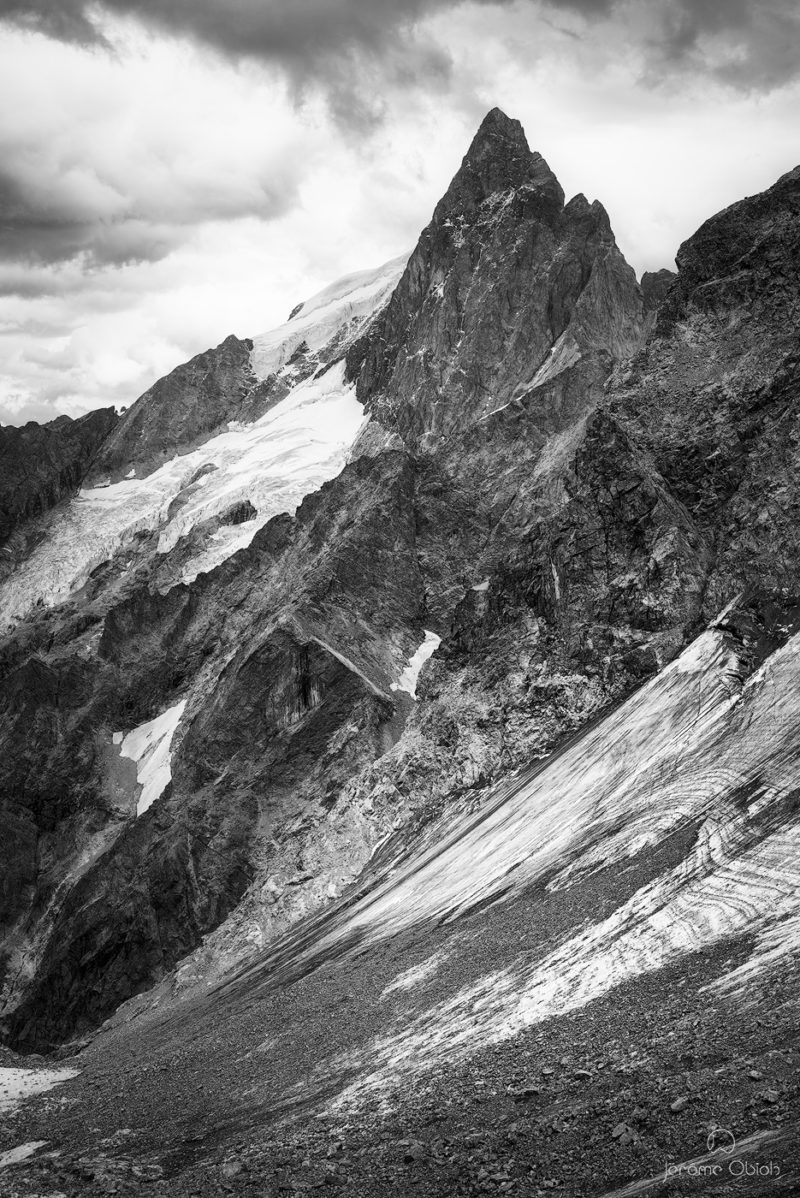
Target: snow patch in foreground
18	1084
410	676
20	1153
411	978
149	746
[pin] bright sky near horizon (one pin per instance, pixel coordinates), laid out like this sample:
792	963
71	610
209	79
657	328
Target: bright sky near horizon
171	172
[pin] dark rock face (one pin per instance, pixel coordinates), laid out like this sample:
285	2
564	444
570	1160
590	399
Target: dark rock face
746	254
40	464
507	289
564	475
239	513
184	408
712	398
655	284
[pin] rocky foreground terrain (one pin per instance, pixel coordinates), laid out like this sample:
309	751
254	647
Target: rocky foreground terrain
399	779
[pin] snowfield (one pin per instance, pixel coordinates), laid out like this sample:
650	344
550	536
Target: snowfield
354	297
273	463
17	1084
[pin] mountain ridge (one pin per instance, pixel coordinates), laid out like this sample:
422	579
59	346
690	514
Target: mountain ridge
580	493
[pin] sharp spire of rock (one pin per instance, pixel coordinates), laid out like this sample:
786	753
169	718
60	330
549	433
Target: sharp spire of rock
492	284
496	127
498	159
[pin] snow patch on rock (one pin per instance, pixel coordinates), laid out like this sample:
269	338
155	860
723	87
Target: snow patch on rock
149	746
20	1153
410	676
411	978
274	463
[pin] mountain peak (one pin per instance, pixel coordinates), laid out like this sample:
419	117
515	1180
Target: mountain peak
500	142
498	159
496	126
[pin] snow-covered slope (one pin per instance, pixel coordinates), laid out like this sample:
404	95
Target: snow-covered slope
272	463
694	751
337	310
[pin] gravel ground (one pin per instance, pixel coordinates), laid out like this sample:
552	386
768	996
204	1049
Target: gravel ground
232	1092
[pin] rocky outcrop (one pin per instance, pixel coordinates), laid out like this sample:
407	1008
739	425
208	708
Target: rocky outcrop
41	464
745	255
184	408
712	399
655	284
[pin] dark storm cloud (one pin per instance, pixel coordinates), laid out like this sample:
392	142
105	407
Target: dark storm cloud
67	21
749	44
313	40
51	213
295	33
39	224
324	44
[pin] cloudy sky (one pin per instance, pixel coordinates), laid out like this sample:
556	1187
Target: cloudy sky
175	170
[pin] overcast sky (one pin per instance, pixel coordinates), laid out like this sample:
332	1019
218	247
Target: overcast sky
172	171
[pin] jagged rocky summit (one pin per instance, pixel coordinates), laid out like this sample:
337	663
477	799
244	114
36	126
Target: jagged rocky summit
511	296
465	601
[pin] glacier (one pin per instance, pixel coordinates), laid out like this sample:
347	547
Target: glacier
321	318
273	463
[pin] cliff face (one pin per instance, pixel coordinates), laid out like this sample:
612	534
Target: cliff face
509	296
41	464
208	733
711	397
276	720
183	409
745	255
